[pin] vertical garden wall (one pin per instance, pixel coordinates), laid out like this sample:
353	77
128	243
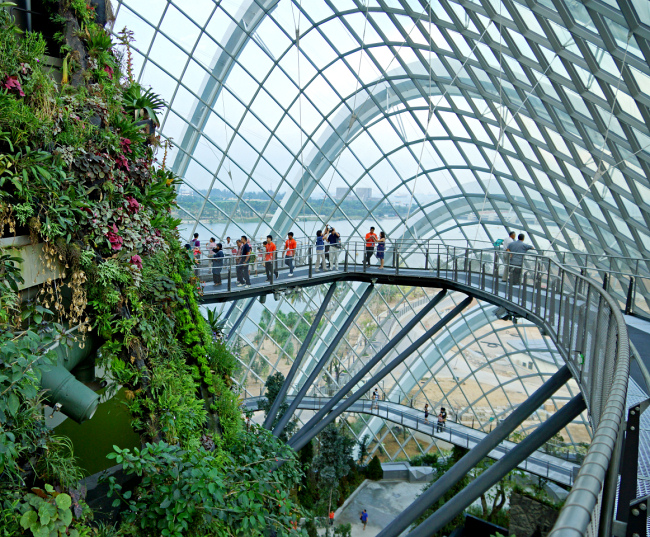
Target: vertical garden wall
83	177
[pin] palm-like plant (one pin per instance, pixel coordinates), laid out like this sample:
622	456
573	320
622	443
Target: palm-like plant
142	103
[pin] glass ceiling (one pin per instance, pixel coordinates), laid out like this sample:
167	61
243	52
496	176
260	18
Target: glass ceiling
447	120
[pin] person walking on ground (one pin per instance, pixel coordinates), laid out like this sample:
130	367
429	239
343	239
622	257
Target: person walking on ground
217	264
290	251
506	244
320	251
331	518
426	413
364	518
245	255
381	248
371	239
517	250
442	418
334	240
269	259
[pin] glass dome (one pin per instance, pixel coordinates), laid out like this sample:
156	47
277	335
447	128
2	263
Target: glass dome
444	120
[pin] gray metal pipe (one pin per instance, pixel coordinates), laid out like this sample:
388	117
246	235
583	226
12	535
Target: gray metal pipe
480	451
366	368
296	363
321	363
497	471
77	400
307	436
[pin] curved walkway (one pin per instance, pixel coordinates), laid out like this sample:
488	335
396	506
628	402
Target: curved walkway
540	464
583	320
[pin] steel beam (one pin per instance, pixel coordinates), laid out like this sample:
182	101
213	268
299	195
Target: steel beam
374	361
321	363
480	451
241	317
496	472
230	310
296	363
308	435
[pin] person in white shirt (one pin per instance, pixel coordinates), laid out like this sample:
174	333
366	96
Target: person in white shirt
506	243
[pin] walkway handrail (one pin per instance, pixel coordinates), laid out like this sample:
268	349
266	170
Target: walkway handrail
451	429
583	319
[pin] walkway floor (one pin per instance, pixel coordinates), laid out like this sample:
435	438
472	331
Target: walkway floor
384	501
539	463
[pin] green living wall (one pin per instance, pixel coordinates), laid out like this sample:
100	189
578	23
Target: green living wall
78	173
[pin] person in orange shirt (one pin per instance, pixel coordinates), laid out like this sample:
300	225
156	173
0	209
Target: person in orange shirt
269	258
371	239
290	251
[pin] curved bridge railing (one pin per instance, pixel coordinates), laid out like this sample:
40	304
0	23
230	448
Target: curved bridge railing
540	463
584	321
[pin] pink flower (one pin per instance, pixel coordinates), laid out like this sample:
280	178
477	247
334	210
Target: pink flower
133	205
122	162
115	240
12	83
136	260
126	145
109	70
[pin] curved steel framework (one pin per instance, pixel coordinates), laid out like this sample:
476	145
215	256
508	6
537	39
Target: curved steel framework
445	119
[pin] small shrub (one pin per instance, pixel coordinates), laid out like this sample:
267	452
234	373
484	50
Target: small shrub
374	470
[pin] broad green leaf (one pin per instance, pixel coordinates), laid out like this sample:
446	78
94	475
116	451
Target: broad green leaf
63	501
13	403
29	518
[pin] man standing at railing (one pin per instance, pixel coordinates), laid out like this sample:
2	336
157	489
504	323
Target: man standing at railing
245	257
290	251
371	239
269	259
506	244
217	264
517	250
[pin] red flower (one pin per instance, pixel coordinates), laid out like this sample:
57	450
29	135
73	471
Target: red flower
115	240
109	70
12	83
126	145
136	260
133	205
122	162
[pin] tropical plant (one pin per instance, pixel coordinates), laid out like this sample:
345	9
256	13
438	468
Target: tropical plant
47	512
332	463
142	103
209	493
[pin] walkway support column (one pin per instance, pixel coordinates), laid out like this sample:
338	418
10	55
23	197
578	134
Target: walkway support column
243	314
496	472
296	363
317	428
478	453
368	367
326	356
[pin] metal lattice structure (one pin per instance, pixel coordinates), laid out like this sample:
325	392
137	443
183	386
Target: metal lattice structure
451	120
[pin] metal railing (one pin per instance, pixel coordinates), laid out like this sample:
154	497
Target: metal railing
449	431
582	318
626	279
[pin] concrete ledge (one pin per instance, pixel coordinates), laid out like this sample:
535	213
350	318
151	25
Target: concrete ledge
403	471
32	267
